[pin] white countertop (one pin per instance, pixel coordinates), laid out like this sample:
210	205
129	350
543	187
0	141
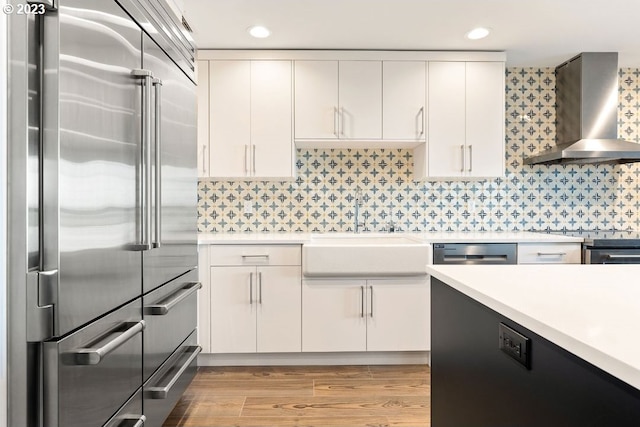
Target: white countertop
429	237
593	311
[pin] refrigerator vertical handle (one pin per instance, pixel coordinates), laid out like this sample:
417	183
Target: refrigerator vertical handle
157	84
42	282
144	243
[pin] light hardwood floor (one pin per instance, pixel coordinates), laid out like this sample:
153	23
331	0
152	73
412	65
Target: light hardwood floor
306	396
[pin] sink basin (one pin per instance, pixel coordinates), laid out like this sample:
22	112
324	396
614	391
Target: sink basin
364	255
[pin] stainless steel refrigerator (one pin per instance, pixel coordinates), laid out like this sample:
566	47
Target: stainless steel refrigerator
101	213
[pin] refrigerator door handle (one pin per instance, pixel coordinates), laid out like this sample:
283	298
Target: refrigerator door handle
145	161
157	84
42	282
95	355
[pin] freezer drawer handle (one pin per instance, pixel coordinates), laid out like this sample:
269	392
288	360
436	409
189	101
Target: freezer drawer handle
163	392
93	356
139	422
177	297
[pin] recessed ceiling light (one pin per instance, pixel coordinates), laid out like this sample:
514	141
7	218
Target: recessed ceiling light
259	32
478	33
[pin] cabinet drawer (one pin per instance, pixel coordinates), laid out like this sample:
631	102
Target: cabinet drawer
549	253
255	255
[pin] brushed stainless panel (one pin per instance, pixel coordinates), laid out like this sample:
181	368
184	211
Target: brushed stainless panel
78	395
165	332
178	170
163	390
99	111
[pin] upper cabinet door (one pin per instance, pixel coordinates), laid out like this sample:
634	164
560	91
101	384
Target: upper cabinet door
485	144
203	118
360	93
404	100
316	99
229	118
447	122
271	117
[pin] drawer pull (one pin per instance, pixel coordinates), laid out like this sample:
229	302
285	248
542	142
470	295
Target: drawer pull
177	297
139	422
256	256
552	253
163	392
93	356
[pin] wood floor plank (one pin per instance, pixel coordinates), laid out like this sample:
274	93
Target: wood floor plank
373	421
208	406
409	422
347	371
373	387
336	406
400	371
251	387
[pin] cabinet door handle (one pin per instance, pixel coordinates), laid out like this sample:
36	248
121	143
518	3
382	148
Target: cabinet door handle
253	158
250	288
335	118
470	158
552	253
362	301
371	300
462	160
246	169
260	287
204	159
421	113
341	121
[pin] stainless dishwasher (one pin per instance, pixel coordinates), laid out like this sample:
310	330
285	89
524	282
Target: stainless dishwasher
474	253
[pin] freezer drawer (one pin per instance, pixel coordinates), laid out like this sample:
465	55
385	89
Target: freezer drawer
130	415
170	314
163	390
92	372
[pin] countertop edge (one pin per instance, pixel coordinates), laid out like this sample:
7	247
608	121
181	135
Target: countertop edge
428	237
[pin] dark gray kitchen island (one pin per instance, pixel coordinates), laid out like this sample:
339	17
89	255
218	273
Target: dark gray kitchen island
521	346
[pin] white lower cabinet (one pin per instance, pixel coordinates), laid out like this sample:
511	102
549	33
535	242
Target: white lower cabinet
255	294
365	315
255	309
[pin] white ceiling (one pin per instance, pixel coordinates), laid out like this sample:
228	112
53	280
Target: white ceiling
534	33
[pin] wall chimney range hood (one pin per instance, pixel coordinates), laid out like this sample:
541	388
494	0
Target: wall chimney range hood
587	114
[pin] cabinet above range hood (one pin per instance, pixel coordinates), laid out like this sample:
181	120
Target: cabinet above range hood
586	114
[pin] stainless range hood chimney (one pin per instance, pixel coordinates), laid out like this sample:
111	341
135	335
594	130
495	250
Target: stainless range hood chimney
587	114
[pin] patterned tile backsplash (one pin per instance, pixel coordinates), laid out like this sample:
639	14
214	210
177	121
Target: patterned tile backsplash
527	198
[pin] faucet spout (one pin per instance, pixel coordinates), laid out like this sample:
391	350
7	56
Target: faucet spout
357	205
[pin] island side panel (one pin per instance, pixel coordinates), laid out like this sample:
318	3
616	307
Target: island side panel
475	384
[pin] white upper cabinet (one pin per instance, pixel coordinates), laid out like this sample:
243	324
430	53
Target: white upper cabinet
465	125
360	95
229	118
250	118
338	100
272	152
404	100
203	118
485	111
316	99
